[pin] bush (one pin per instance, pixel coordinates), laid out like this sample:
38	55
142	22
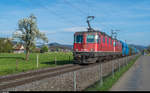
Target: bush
148	49
44	49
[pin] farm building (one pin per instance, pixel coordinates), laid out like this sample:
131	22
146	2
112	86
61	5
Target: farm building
18	49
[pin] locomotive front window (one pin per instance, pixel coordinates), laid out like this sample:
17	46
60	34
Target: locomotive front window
78	38
90	39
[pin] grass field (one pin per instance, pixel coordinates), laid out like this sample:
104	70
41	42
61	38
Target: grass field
110	80
14	63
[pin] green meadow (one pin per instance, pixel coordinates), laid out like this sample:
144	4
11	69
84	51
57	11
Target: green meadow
14	63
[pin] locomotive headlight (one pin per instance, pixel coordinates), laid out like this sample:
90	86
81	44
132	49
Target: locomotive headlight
79	55
92	49
76	49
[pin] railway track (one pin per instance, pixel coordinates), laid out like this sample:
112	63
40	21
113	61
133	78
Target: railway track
35	72
20	79
23	78
27	77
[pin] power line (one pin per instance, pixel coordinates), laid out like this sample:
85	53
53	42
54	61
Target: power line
63	18
53	12
78	9
82	13
89	8
114	33
89	5
88	14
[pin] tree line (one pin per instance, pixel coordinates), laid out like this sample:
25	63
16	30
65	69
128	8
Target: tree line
148	49
6	45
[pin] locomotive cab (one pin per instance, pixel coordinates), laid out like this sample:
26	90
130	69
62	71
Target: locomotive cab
85	46
84	41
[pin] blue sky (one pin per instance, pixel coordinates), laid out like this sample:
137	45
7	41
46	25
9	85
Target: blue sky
59	19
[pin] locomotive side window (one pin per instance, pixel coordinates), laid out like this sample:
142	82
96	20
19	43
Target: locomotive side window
90	38
107	40
114	43
99	39
110	41
79	38
103	39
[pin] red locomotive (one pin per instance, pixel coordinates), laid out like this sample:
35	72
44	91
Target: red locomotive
93	46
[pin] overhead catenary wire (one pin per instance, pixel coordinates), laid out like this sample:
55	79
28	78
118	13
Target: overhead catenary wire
108	27
72	5
62	18
75	7
53	12
4	35
82	13
88	12
89	8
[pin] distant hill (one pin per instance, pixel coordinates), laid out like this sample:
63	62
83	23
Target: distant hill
55	46
140	47
14	42
62	46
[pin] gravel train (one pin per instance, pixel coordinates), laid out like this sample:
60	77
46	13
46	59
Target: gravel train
94	46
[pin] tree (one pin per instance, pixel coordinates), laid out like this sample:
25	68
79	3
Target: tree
33	48
148	49
28	33
5	45
8	46
44	49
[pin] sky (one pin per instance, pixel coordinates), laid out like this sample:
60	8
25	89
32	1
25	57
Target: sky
60	19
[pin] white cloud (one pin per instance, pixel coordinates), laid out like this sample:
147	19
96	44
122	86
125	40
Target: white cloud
6	31
48	31
75	29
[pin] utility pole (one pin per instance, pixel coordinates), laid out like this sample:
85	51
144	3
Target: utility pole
114	35
126	54
125	41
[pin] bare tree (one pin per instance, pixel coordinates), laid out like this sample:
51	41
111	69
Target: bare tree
28	33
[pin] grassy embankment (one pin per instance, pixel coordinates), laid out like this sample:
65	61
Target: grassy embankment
8	64
110	80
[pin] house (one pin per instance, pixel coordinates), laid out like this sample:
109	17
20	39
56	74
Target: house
37	50
19	49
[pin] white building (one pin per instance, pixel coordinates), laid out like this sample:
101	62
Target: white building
19	49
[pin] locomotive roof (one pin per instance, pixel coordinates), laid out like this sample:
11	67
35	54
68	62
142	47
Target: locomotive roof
103	33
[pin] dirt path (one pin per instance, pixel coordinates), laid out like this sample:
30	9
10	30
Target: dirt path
136	78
